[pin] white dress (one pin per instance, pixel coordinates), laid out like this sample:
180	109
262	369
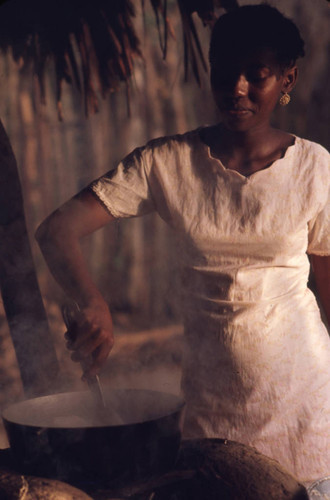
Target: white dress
257	361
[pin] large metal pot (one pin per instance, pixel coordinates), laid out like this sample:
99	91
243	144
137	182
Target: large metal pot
63	436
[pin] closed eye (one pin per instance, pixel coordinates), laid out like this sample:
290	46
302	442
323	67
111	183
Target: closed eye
258	74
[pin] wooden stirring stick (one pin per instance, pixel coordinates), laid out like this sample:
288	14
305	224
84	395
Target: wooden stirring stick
108	416
69	313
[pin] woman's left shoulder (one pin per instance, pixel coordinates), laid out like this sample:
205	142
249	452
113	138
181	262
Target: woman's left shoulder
311	151
311	163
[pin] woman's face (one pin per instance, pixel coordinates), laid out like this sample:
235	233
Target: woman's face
247	86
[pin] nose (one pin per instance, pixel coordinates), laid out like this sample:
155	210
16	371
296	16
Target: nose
240	86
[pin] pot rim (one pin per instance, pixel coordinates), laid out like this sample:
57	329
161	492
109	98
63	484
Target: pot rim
14	413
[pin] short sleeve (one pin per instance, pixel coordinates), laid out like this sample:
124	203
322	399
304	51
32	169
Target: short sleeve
319	225
125	191
319	233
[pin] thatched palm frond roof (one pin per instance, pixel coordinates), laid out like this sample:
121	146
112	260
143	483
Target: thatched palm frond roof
93	40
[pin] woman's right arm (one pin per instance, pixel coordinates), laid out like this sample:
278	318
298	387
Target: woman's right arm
59	238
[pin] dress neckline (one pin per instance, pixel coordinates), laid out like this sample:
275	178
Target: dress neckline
287	153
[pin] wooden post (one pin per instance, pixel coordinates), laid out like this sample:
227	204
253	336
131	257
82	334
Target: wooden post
21	295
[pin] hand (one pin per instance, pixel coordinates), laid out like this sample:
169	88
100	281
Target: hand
90	337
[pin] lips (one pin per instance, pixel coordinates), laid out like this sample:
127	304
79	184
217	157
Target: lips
236	108
238	111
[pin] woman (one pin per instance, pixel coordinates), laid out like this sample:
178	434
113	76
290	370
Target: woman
247	203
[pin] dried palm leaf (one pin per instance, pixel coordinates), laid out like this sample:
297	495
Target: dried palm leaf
160	8
93	42
193	54
227	4
192	44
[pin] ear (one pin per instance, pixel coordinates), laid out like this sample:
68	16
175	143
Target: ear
289	79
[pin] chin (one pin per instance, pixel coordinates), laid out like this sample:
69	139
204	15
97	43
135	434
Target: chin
240	123
237	126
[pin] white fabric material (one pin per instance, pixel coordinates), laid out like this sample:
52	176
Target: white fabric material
257	362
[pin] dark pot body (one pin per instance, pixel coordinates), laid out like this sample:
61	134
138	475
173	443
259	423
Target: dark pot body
108	454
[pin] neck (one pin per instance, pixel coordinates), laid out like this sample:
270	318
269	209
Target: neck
247	141
247	151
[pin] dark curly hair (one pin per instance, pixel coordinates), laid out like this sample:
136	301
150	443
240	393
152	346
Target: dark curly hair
254	26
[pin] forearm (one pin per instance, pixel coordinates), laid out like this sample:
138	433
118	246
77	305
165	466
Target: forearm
59	238
64	257
321	270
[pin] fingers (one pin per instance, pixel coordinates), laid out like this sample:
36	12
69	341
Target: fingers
71	335
99	357
84	329
93	352
89	345
91	342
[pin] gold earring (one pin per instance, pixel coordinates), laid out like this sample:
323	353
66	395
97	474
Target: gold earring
285	99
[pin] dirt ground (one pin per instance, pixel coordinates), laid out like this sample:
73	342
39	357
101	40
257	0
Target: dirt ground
141	358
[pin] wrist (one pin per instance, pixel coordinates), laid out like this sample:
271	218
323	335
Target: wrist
90	300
